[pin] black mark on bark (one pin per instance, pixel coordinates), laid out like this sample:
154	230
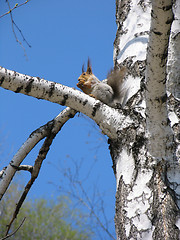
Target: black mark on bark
164	98
52	87
84	103
157	33
19	89
95	108
169	21
138	144
71	115
29	85
2	80
166	8
65	96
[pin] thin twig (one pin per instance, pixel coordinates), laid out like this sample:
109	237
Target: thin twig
77	190
16	6
37	166
54	128
14	24
10	235
21	34
35	137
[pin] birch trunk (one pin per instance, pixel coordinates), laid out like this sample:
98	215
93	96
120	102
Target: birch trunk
145	155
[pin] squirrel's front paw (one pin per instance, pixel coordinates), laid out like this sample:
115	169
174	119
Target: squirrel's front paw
91	95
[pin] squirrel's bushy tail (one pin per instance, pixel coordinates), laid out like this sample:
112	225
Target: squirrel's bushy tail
116	80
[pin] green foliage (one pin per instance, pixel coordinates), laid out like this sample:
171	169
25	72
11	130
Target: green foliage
44	219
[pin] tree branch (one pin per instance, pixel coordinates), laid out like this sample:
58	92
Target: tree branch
10	235
110	120
16	6
28	168
35	172
56	124
78	192
14	24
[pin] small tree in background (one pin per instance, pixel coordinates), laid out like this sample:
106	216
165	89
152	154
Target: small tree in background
44	219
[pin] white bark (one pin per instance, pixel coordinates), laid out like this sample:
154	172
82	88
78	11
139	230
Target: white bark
173	65
158	129
110	120
133	195
145	165
56	124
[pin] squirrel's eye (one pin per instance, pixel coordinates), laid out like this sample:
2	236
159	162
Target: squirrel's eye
84	73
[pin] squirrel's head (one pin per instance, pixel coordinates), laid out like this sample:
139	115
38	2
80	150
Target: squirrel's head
86	75
85	80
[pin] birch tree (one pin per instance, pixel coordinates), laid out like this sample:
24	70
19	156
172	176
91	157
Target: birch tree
143	134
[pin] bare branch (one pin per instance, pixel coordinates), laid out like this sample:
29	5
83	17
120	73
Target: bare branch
10	235
56	124
16	6
14	24
79	193
2	172
35	172
50	130
89	205
54	129
28	168
21	34
110	120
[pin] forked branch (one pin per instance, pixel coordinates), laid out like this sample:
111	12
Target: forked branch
52	127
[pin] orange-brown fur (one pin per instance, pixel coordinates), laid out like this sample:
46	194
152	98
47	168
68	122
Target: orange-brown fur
86	80
109	92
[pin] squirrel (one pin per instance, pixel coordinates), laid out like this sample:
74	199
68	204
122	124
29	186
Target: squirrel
110	91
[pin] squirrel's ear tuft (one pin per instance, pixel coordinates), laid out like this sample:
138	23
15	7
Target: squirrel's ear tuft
89	68
89	62
83	68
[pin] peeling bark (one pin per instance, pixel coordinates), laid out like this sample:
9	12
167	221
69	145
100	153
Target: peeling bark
145	155
158	128
173	66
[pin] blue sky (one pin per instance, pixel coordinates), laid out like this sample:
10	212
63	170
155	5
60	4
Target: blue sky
63	34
